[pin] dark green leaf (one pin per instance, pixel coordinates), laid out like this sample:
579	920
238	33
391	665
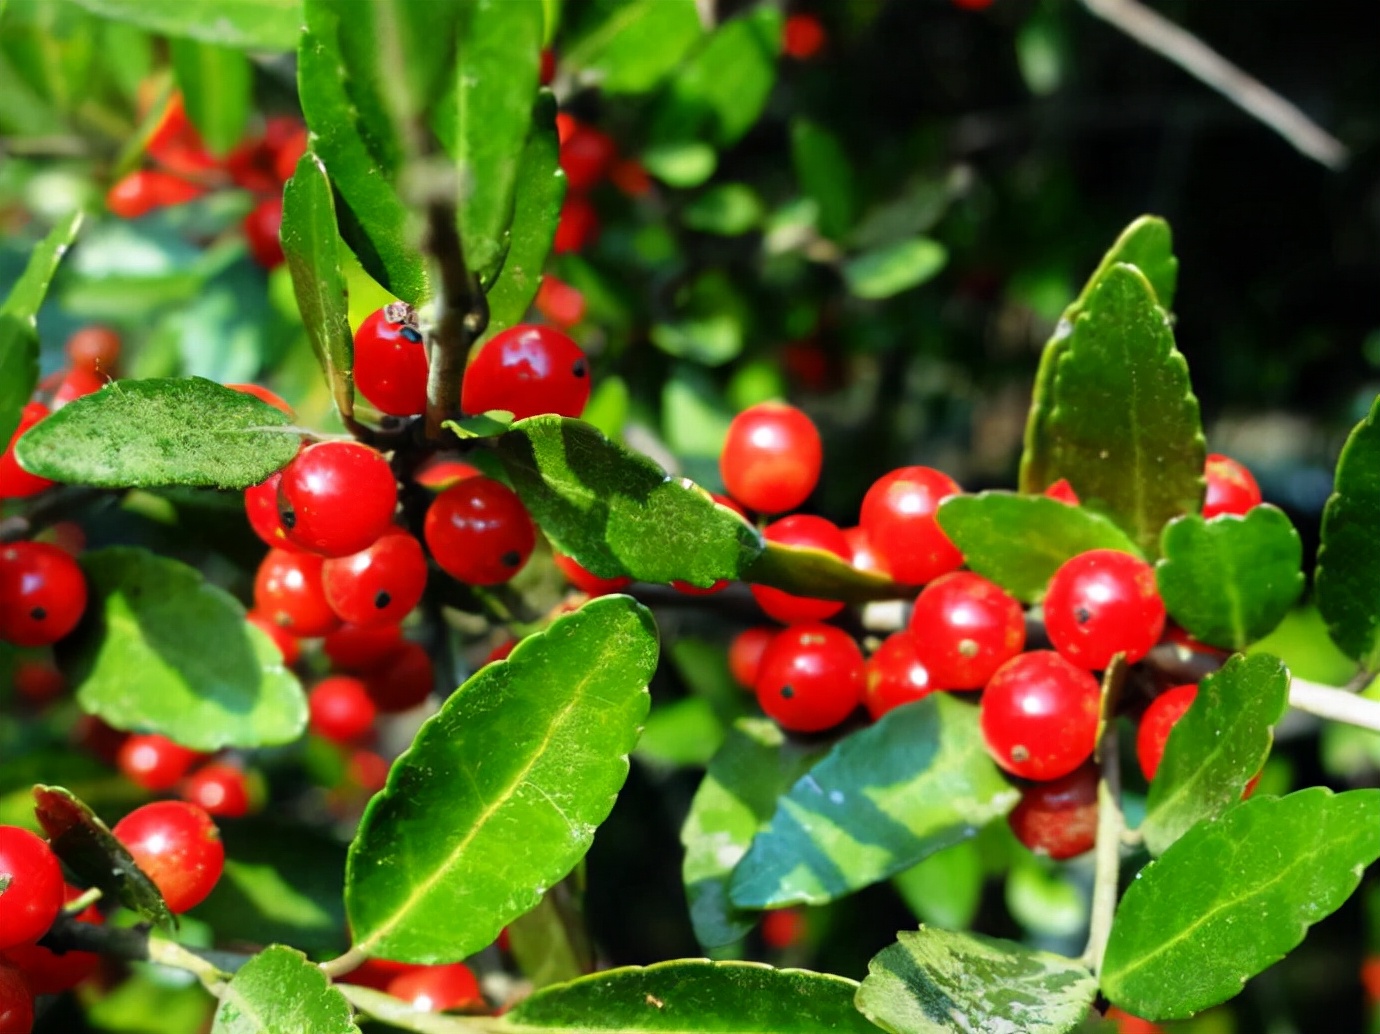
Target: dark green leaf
617	512
1347	581
1146	244
818	573
278	991
164	651
937	982
1124	426
247	24
1231	898
693	995
1216	747
826	176
1019	541
883	799
482	425
633	44
1229	581
141	434
946	888
567	706
727	209
87	847
217	83
735	802
311	245
894	268
713	318
18	331
551	942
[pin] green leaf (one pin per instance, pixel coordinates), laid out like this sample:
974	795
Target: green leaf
713	319
617	512
826	176
680	733
1231	898
1124	426
87	847
141	434
246	24
935	982
1347	582
1146	244
632	45
1215	749
566	706
496	73
92	780
883	799
217	83
164	651
1019	541
551	942
946	888
281	990
681	163
18	329
756	764
893	268
311	245
409	48
727	209
481	425
817	573
1229	581
693	995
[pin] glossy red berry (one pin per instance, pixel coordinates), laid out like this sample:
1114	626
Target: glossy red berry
443	471
1124	1022
863	556
221	789
145	190
155	762
390	362
578	226
16	1001
500	652
587	581
802	37
559	303
95	349
176	145
1062	491
479	532
38	682
47	972
1059	818
1156	724
438	988
15	481
1101	603
898	515
811	677
1231	488
261	228
1039	715
336	498
354	648
528	370
261	507
401	680
895	675
287	590
33	891
42	593
290	148
783	928
341	710
586	152
965	629
771	457
75	384
379	585
808	532
178	847
288	644
745	653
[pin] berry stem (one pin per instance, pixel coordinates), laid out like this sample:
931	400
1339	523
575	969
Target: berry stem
1111	825
137	944
1334	703
464	313
342	964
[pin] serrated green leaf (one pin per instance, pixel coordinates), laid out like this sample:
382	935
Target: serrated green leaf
18	329
164	651
818	573
1216	747
1146	244
1019	541
631	45
280	991
311	246
1124	428
551	943
1231	898
1347	580
617	512
946	888
693	995
883	799
736	799
143	434
246	24
826	176
217	83
566	706
892	268
1229	581
938	982
86	846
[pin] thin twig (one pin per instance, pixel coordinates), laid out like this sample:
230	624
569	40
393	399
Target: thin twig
1111	828
1155	32
463	315
1338	705
342	964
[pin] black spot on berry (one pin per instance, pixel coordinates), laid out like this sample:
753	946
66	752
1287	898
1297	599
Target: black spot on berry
38	613
1082	615
287	518
787	691
580	368
511	558
382	599
412	334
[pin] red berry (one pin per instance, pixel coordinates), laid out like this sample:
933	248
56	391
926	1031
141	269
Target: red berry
895	675
1101	603
898	515
528	370
367	770
221	789
155	762
863	556
559	303
261	229
390	363
810	678
341	710
811	533
176	145
1062	491
97	739
38	682
1156	724
377	973
287	643
965	629
95	349
144	190
802	37
586	152
15	481
1124	1021
771	457
42	593
379	585
1231	488
33	891
442	471
265	395
16	1001
47	972
501	651
1039	715
290	149
287	590
584	580
255	164
745	653
261	507
578	226
783	928
630	176
479	532
973	5
354	648
1059	818
548	66
401	680
336	498
178	847
75	384
438	988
